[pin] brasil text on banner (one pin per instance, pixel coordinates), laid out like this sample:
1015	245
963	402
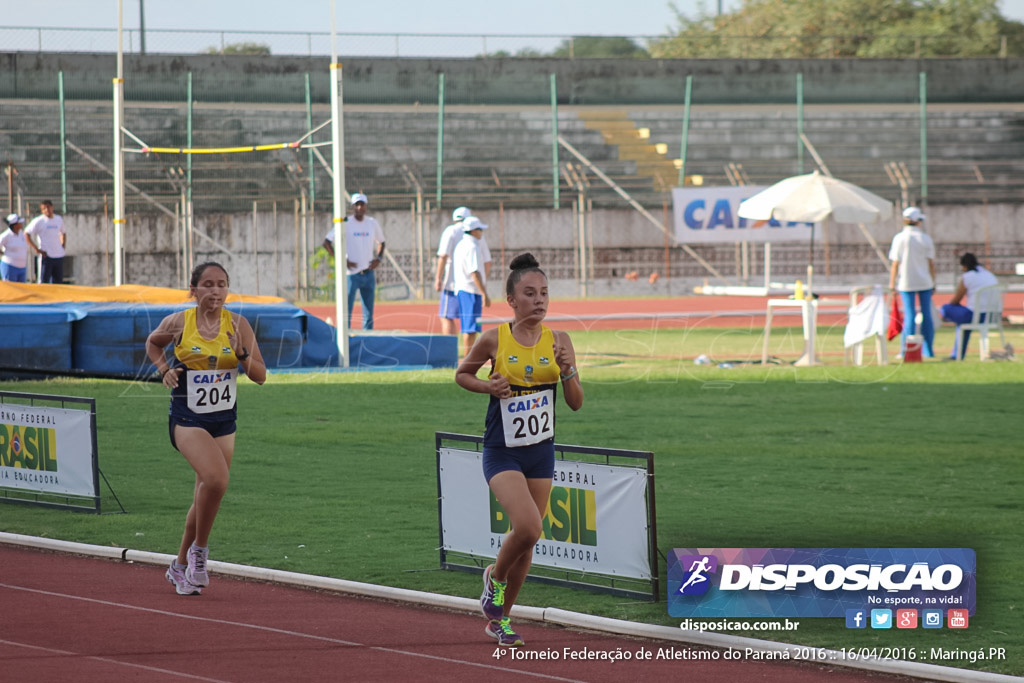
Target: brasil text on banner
595	521
46	449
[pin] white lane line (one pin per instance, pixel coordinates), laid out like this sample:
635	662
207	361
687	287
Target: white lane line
286	632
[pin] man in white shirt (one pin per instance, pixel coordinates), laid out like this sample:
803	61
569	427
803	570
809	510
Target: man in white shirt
14	262
362	235
470	279
48	228
448	309
913	275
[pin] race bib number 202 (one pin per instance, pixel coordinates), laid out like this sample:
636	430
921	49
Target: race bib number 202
528	419
210	391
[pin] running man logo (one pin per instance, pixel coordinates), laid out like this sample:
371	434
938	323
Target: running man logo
571	516
695	580
30	448
813	582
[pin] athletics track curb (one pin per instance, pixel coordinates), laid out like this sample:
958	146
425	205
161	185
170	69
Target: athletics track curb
549	615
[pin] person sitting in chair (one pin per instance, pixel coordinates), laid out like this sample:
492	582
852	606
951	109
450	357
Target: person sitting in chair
974	278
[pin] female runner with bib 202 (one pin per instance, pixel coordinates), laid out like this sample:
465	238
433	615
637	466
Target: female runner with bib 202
528	362
210	345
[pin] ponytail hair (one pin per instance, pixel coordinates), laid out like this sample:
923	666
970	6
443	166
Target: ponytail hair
522	264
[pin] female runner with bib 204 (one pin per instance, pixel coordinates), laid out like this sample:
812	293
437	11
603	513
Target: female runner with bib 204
210	345
528	362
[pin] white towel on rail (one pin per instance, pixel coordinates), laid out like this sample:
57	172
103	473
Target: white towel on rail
867	318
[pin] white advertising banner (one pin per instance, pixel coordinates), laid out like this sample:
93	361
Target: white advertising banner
596	519
46	449
711	215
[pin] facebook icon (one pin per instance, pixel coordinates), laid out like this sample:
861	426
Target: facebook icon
856	618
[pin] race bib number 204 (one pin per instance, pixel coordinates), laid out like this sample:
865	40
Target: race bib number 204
210	391
528	419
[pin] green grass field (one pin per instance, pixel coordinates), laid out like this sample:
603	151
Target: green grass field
334	474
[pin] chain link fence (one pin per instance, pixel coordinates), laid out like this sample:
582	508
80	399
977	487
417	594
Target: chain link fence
318	44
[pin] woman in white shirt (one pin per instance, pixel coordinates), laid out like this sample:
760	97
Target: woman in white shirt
974	278
14	262
913	275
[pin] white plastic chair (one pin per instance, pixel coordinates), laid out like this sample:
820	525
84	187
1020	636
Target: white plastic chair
988	302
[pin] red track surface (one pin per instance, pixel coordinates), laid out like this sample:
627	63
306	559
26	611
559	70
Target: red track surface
597	314
69	618
605	314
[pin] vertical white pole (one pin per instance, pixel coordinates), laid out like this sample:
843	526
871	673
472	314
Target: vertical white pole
340	201
178	210
582	227
256	246
118	154
304	240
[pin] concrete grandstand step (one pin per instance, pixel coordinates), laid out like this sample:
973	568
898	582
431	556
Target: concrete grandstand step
482	141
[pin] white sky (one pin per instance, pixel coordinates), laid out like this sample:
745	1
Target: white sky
473	17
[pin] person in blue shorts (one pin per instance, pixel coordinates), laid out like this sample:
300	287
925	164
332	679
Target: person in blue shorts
448	308
210	344
960	309
469	265
527	359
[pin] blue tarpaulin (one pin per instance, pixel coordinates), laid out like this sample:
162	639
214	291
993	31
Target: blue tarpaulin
108	339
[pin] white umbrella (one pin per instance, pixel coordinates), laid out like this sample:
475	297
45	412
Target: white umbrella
814	197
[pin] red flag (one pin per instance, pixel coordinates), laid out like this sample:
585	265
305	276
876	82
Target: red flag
895	319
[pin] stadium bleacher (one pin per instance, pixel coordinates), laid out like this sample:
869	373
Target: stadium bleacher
503	155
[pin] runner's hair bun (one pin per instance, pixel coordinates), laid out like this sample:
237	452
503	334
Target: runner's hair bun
523	262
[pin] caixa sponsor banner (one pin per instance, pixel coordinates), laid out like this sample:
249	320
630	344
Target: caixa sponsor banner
710	214
816	582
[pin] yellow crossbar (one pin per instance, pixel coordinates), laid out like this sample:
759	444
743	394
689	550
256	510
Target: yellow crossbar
218	150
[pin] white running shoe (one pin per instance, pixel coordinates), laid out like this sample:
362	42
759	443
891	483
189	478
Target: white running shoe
182	586
196	573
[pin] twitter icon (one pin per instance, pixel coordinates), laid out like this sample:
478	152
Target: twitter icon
881	618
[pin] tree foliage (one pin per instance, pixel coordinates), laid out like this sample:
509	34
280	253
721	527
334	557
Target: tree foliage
615	47
845	28
241	49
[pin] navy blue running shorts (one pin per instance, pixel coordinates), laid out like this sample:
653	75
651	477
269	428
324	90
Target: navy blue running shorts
535	462
214	427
